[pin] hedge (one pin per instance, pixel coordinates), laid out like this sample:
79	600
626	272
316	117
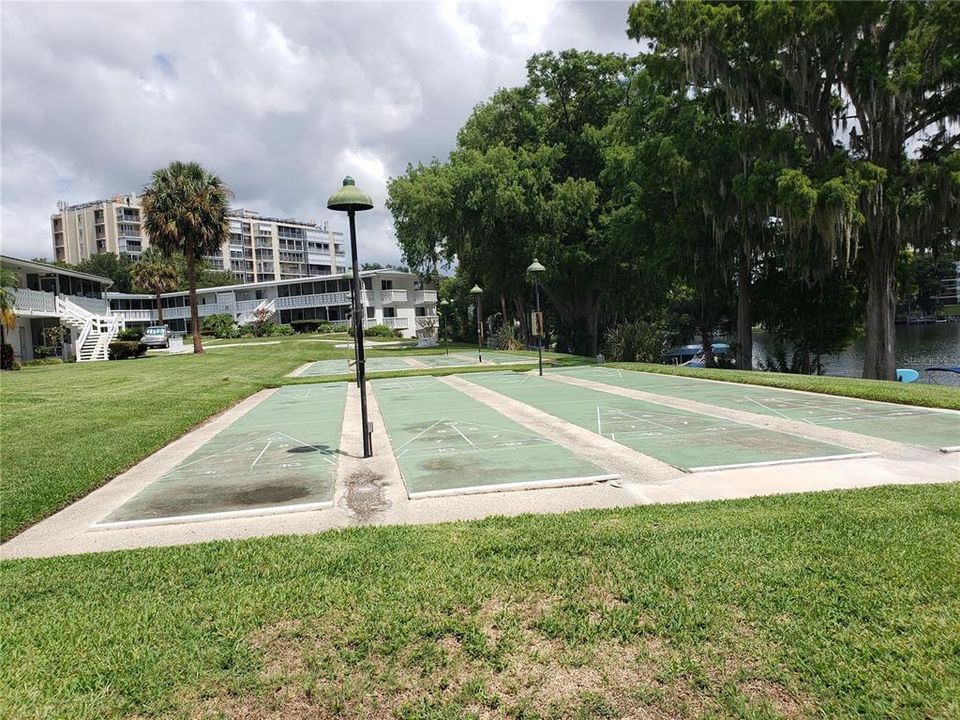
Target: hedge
123	349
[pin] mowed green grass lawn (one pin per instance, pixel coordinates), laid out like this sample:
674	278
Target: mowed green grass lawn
828	605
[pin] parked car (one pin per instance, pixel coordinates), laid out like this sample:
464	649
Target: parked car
156	336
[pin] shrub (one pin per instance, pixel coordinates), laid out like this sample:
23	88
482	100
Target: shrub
6	357
329	327
277	330
635	341
123	349
129	334
43	361
306	326
505	338
41	351
220	325
379	331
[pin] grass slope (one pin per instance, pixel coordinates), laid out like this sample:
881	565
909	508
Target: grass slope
840	605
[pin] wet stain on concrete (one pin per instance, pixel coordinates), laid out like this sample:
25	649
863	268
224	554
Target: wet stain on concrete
365	494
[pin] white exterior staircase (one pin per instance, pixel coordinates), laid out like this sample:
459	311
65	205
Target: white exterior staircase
247	315
95	332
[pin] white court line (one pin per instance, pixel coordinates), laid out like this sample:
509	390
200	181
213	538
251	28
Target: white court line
509	487
774	410
454	426
461	450
265	448
417	436
649	422
225	515
791	461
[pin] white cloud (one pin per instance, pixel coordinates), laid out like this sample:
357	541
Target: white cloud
281	99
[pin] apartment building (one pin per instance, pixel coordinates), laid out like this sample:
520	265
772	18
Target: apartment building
260	249
50	296
47	296
399	300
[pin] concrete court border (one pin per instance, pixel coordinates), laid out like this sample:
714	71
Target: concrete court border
68	533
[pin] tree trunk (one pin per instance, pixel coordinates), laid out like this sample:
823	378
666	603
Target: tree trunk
579	311
194	311
159	310
744	310
879	358
709	360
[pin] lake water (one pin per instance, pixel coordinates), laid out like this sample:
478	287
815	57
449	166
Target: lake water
918	347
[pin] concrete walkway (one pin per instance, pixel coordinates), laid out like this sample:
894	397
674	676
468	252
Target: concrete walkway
372	492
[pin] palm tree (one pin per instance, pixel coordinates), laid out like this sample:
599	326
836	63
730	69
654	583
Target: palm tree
8	299
185	211
155	273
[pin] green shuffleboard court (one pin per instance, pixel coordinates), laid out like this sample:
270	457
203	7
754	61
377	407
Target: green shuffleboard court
438	361
447	443
281	456
504	358
386	364
328	367
344	366
686	440
926	427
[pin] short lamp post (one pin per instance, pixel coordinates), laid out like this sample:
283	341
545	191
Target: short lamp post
535	271
444	304
477	291
351	200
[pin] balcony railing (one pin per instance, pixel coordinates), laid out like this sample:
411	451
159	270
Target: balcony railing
38	302
425	297
397	323
318	300
35	302
173	313
138	315
98	306
393	296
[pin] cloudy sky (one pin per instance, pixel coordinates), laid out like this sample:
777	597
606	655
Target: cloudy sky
281	99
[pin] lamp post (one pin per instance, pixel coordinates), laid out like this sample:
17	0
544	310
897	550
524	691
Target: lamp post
536	270
477	291
351	200
444	304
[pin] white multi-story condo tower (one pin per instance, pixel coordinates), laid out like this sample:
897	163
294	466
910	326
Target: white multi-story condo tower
260	249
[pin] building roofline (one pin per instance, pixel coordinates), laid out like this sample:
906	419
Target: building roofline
49	267
232	213
267	283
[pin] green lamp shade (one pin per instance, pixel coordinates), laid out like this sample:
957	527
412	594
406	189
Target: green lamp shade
476	290
536	268
444	303
349	197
